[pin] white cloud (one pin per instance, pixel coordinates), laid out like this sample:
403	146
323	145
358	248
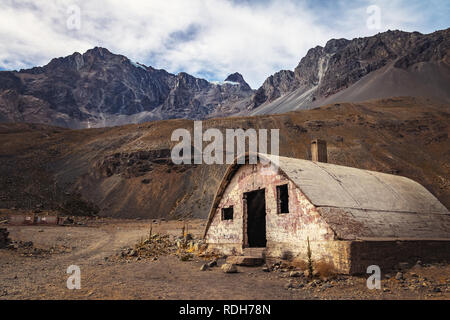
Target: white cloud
214	37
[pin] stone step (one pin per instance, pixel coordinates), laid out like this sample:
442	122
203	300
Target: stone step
255	252
248	261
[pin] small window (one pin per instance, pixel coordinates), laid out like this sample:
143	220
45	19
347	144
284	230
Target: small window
227	213
282	199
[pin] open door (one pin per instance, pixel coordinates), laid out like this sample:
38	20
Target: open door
256	218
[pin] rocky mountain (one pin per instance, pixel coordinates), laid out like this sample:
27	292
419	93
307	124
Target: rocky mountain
126	171
237	78
99	88
389	64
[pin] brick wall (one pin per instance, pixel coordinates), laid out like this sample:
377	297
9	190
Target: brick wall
387	254
335	252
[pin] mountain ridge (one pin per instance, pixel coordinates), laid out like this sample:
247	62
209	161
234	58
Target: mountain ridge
99	88
325	71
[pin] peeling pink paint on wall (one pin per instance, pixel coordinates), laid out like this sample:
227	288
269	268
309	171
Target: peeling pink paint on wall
301	222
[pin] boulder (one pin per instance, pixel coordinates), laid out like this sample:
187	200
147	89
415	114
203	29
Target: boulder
212	263
290	285
266	269
229	268
399	276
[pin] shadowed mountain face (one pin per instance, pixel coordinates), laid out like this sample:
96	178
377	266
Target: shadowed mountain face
99	88
127	171
389	64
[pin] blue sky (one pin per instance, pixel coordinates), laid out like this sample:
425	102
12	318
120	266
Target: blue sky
206	38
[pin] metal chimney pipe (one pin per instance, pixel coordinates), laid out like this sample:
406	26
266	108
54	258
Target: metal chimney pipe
319	150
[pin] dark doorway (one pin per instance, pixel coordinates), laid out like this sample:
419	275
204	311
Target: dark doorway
256	218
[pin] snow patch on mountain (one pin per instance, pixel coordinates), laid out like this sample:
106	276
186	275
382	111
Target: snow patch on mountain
138	65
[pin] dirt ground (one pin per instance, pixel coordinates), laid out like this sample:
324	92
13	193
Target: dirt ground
41	273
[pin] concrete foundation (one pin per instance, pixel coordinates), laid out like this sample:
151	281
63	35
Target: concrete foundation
353	257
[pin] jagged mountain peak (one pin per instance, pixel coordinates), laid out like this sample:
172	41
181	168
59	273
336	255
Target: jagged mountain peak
334	45
100	88
237	78
98	51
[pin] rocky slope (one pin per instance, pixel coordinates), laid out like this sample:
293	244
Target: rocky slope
126	171
99	88
389	64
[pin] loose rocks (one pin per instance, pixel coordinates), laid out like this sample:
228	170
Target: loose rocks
229	268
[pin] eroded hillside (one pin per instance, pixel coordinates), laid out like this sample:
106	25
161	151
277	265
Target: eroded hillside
126	171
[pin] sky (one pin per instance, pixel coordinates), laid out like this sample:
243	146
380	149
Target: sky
206	38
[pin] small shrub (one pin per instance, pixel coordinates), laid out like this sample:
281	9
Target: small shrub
325	269
310	261
299	263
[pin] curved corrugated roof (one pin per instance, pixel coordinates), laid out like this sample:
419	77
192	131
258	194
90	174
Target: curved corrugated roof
329	185
358	195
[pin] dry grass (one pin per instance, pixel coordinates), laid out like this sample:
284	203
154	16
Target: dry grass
154	246
299	264
322	268
325	269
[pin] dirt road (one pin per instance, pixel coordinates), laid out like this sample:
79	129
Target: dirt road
43	276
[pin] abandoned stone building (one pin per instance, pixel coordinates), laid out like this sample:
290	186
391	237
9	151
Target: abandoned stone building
350	217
